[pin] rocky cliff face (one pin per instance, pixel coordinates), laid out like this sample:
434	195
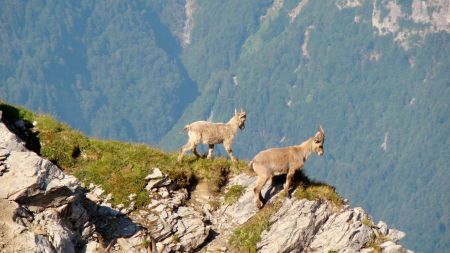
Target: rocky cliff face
45	210
41	207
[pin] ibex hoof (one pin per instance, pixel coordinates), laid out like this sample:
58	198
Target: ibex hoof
259	204
286	194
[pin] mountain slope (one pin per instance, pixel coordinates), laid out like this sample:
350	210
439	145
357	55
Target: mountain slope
44	208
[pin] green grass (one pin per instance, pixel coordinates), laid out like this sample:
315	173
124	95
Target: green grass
120	168
367	222
233	194
313	190
245	237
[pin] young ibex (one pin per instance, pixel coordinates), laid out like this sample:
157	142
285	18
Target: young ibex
286	160
204	132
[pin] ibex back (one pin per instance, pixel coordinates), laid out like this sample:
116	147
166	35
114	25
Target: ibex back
286	160
204	132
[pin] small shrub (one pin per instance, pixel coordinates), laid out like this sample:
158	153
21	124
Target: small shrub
214	203
376	241
367	222
175	238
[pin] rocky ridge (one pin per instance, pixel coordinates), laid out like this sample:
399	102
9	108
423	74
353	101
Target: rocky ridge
305	226
45	210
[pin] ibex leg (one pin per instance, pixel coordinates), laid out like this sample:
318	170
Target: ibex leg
230	152
259	185
288	182
185	149
194	151
210	151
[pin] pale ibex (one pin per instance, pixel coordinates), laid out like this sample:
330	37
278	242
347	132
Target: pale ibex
204	132
285	160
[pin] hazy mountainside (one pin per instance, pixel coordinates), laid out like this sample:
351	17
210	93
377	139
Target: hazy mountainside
92	63
373	73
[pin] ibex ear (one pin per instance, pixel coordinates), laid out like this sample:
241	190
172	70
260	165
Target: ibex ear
318	137
235	111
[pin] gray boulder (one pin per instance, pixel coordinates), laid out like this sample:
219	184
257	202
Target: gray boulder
36	182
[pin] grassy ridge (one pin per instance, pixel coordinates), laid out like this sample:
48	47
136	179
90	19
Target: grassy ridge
120	168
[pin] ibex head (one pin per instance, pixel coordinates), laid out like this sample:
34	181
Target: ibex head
319	140
241	116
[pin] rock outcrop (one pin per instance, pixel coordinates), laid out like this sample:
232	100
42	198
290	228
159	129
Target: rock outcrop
41	206
301	225
46	210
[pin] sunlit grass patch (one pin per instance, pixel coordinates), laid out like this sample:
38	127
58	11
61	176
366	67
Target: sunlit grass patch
245	237
313	190
233	194
316	192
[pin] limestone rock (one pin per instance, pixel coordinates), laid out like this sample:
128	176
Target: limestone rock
191	230
158	182
34	181
382	226
391	247
343	231
297	221
395	235
245	207
299	225
40	205
4	153
59	235
156	173
9	140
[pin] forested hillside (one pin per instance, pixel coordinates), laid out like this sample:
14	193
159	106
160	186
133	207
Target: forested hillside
107	68
373	73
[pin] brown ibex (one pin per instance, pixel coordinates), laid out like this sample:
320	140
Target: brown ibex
205	132
285	160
